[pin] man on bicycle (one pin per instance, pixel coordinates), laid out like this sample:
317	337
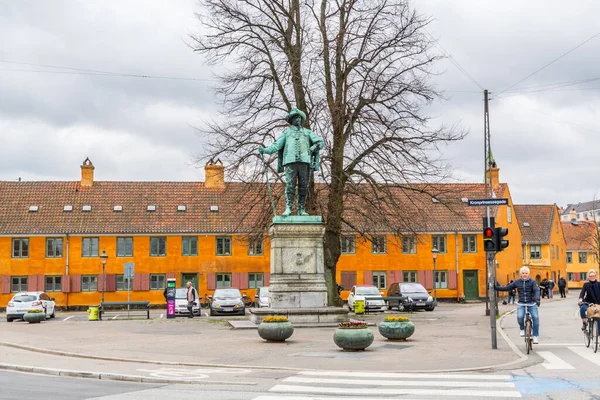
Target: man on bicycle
529	297
590	293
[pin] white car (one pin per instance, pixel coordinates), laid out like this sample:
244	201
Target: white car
262	297
181	303
21	302
360	292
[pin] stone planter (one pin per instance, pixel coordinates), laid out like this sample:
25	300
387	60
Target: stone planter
396	330
34	318
353	339
275	331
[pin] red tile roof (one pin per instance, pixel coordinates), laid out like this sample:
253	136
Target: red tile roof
579	236
539	217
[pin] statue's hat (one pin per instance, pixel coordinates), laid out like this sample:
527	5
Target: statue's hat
295	112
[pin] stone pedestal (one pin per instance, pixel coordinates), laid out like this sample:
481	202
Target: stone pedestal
297	286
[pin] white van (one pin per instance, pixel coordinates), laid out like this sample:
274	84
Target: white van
181	303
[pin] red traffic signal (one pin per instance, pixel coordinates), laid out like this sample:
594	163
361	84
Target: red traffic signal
488	233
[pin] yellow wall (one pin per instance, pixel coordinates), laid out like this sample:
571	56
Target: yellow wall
577	267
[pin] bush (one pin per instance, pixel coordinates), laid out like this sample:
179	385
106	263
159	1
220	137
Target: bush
35	310
275	318
353	325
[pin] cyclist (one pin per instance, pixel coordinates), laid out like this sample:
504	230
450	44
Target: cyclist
590	293
529	296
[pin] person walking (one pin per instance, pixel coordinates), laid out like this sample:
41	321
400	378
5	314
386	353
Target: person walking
550	288
511	294
562	284
544	288
191	299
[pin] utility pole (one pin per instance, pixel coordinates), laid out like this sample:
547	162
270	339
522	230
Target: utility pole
490	255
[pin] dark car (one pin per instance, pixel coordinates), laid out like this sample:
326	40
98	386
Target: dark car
227	302
416	296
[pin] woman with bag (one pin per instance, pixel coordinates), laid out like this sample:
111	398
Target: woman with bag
590	294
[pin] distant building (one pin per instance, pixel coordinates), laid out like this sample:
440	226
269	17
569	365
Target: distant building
581	254
588	211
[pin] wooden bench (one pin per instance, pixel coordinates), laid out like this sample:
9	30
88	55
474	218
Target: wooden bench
400	299
125	306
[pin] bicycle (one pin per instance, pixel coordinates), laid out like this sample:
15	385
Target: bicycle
528	330
591	333
204	302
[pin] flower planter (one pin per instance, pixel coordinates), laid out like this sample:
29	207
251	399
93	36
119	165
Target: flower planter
353	339
396	330
275	331
34	318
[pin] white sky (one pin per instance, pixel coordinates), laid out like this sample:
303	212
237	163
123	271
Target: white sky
546	143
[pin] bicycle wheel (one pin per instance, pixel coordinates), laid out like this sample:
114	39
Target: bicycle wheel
595	338
528	339
587	335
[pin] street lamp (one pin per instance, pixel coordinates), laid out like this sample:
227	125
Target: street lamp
435	252
103	259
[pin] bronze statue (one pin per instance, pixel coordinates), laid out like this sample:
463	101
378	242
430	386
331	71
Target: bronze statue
298	154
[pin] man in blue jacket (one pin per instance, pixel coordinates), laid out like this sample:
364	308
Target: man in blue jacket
529	297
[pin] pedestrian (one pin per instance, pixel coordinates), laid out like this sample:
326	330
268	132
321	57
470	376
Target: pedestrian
511	294
191	299
550	288
544	288
562	284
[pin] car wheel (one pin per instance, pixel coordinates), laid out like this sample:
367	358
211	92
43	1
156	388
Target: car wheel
9	319
53	314
212	312
430	308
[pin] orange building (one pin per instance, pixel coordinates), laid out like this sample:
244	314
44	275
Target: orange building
580	256
53	233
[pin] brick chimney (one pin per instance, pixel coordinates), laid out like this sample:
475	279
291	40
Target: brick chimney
87	173
495	173
214	174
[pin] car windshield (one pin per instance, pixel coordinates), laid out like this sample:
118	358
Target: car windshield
413	288
227	293
181	293
368	290
24	299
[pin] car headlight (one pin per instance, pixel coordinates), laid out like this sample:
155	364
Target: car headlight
430	298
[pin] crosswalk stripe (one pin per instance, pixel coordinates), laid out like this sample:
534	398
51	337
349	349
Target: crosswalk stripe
280	397
553	361
400	375
395	391
587	354
371	382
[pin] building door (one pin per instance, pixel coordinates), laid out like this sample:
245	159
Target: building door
189	277
471	284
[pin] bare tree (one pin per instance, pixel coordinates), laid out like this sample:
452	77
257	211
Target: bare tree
360	68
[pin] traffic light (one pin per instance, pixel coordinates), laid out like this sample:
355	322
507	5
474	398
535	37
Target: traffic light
489	235
501	243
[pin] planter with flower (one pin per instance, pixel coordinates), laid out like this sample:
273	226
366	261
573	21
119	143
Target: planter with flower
353	336
275	328
396	327
34	316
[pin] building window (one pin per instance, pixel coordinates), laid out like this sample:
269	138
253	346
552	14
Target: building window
583	276
441	279
409	244
20	248
158	246
348	244
439	242
223	280
256	280
569	276
122	283
379	279
469	243
582	257
157	281
54	247
53	284
535	251
124	247
255	246
18	284
378	245
569	258
509	214
409	276
189	245
89	283
224	246
89	247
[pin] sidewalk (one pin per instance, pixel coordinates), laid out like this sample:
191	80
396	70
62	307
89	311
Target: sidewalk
452	338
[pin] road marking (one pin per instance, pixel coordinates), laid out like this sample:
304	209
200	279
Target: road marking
161	315
586	353
115	317
68	318
437	383
279	397
559	344
395	391
191	374
400	375
553	361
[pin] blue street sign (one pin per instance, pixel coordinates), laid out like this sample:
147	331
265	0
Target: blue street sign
488	202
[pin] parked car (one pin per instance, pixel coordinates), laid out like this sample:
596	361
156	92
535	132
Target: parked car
181	303
261	298
417	296
21	302
227	301
360	292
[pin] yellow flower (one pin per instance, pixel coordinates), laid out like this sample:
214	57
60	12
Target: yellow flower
35	310
275	318
396	318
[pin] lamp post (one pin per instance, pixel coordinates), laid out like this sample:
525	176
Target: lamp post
434	252
103	259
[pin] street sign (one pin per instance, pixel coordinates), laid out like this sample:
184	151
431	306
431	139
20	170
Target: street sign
488	202
128	270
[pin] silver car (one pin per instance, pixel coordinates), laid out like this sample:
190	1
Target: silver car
227	301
